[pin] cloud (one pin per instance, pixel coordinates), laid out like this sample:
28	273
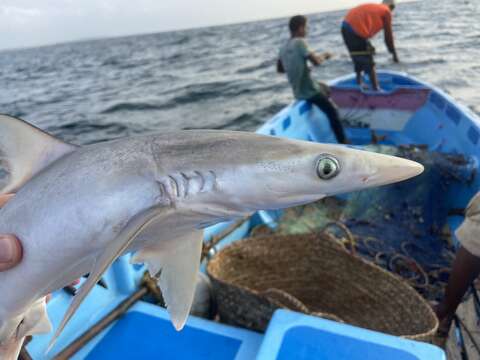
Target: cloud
34	22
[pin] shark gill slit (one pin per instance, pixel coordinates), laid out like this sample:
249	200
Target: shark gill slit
186	183
181	185
199	176
173	187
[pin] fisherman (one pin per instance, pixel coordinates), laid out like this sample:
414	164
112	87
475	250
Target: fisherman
466	266
293	60
361	24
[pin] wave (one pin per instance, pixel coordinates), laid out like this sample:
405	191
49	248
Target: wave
117	86
247	121
135	106
194	93
82	127
205	91
262	65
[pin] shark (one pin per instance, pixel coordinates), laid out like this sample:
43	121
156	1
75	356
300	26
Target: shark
78	208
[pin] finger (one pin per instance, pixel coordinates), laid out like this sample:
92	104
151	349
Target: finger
4	198
10	251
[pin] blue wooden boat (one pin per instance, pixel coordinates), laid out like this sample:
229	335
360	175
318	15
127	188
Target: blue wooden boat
408	111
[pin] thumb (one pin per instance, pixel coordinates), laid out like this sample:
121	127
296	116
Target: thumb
10	251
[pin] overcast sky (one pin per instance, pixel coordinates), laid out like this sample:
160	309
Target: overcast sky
38	22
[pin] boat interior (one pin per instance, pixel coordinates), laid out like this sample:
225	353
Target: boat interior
407	114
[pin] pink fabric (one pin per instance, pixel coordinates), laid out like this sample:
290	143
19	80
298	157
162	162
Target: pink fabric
400	99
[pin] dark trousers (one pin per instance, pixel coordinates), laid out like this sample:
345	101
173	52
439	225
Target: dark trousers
330	109
355	43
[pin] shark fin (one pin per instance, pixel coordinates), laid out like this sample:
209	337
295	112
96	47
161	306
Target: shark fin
24	151
179	268
36	320
106	258
153	256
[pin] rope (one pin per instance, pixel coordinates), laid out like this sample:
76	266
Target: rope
411	265
401	264
381	259
349	239
430	284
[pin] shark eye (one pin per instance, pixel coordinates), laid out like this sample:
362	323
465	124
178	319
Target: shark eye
327	167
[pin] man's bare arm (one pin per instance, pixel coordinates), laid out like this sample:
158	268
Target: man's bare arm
319	59
388	32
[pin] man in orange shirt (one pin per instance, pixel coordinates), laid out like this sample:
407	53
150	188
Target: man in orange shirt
362	23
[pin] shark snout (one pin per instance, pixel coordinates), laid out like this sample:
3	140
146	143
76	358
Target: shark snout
390	169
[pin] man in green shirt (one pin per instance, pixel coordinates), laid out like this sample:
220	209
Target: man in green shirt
293	60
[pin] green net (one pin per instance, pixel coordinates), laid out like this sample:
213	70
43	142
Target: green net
401	227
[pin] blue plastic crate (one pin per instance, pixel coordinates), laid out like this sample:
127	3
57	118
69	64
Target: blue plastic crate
146	332
292	335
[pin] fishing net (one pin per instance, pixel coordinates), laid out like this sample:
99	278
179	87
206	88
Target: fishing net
400	227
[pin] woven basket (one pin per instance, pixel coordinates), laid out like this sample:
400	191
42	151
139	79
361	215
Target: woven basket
313	274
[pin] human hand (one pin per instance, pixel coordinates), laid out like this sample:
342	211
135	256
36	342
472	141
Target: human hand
10	251
10	247
327	55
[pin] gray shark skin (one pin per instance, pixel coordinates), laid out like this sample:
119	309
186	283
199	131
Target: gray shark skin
77	209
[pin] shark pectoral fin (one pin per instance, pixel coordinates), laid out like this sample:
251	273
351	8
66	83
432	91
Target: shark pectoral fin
36	320
178	277
106	258
24	151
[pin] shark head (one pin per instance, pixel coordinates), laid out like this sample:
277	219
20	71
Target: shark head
264	172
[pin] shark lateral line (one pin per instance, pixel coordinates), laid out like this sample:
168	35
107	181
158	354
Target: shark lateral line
150	195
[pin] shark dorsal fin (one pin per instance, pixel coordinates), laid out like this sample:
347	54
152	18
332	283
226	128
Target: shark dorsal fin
24	151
